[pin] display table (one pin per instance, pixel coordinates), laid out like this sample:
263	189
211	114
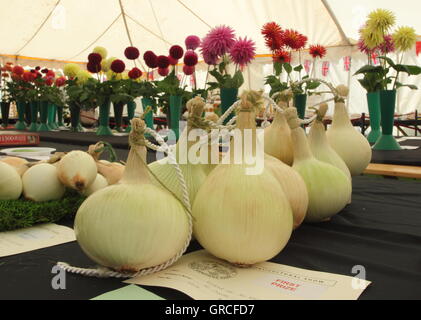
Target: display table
401	157
392	170
380	230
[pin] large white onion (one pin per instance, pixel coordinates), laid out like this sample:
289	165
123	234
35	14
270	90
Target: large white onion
10	182
244	219
40	183
329	189
135	224
348	143
77	170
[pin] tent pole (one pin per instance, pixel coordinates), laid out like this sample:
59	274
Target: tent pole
123	14
336	21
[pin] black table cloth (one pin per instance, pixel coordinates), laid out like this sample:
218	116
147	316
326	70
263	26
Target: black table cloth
401	157
380	230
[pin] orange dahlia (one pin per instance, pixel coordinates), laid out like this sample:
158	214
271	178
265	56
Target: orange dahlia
294	39
273	35
318	51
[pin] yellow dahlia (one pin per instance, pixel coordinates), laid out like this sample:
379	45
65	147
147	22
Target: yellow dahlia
381	20
102	51
71	69
113	76
83	76
371	38
405	38
106	63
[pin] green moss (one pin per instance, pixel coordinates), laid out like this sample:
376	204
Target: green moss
16	214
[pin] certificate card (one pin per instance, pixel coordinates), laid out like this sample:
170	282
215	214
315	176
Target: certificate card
204	277
34	238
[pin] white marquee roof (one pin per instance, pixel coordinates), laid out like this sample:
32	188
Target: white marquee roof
70	29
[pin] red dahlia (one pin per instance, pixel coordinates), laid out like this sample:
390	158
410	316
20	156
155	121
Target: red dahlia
49	81
294	39
163	62
163	72
190	58
94	67
281	56
135	73
273	35
45	71
51	74
118	66
188	71
95	58
151	59
176	52
18	70
27	76
173	61
132	53
60	81
317	51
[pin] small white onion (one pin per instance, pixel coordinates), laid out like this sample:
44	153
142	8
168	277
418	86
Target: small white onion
99	183
40	183
10	182
19	164
77	170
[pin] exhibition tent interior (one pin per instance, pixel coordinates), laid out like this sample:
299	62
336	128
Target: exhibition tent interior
53	32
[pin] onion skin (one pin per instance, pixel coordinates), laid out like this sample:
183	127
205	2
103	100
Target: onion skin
113	172
236	219
40	183
278	142
10	182
293	186
348	143
128	228
77	170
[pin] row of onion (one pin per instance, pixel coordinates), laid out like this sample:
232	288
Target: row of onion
241	218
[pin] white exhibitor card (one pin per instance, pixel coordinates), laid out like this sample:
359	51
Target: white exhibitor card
204	277
34	238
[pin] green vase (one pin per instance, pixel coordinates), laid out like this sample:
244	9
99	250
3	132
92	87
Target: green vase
228	97
373	100
104	120
44	117
387	106
5	109
175	113
60	122
34	105
300	103
28	113
75	118
52	114
118	116
149	116
20	124
131	108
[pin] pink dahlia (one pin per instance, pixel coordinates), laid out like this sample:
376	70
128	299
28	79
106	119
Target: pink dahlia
364	48
243	51
192	42
388	46
218	41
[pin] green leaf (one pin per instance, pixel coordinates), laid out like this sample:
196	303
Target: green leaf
299	68
313	85
278	68
388	60
410	70
368	69
288	68
411	86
